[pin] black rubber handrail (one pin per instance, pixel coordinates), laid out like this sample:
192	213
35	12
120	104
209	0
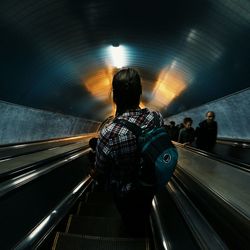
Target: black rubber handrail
166	220
40	232
35	233
184	217
234	142
206	237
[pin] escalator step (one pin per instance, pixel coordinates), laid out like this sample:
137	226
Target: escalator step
101	226
98	210
77	242
100	197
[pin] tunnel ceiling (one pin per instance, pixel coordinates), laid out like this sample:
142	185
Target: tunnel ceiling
56	55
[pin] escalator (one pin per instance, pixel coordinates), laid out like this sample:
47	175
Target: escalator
36	191
97	225
36	207
195	213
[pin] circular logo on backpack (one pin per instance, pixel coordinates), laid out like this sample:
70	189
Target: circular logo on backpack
166	158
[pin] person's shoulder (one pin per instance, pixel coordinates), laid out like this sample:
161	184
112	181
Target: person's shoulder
159	115
214	125
203	123
152	112
182	130
156	112
110	130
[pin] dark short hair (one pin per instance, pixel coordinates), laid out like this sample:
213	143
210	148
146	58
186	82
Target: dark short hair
127	89
172	123
187	119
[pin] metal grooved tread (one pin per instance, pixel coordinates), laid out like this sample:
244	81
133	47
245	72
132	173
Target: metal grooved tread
76	242
101	226
100	197
98	210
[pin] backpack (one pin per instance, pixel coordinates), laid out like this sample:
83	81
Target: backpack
158	154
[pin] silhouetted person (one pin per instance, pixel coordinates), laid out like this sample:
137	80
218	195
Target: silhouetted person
206	132
117	155
173	131
187	134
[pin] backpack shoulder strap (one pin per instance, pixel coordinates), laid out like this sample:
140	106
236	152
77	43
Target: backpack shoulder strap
156	120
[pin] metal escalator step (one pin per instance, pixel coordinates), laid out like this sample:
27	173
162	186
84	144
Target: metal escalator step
101	226
77	242
98	210
100	197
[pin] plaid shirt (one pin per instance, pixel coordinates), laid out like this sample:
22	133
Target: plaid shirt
116	153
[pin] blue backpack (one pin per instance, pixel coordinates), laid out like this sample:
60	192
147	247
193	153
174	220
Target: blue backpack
158	154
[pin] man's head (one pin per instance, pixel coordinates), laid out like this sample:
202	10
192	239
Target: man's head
210	115
127	89
187	122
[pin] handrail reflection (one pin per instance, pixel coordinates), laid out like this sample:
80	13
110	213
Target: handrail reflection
34	238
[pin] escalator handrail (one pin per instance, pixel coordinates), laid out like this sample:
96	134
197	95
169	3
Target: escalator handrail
205	235
165	241
234	142
40	232
189	216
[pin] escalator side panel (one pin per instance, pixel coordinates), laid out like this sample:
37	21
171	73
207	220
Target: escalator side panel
232	227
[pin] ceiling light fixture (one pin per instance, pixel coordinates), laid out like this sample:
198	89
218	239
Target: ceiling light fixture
118	55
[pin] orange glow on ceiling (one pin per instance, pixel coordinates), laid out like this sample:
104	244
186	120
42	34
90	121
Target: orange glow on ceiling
168	86
142	105
99	84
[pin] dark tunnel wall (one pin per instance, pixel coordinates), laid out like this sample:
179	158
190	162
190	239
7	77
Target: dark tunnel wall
23	124
20	124
232	115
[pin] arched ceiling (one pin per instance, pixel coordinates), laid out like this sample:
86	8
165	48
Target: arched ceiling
56	54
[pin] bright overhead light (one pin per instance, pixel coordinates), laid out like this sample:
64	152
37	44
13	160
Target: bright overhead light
118	56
